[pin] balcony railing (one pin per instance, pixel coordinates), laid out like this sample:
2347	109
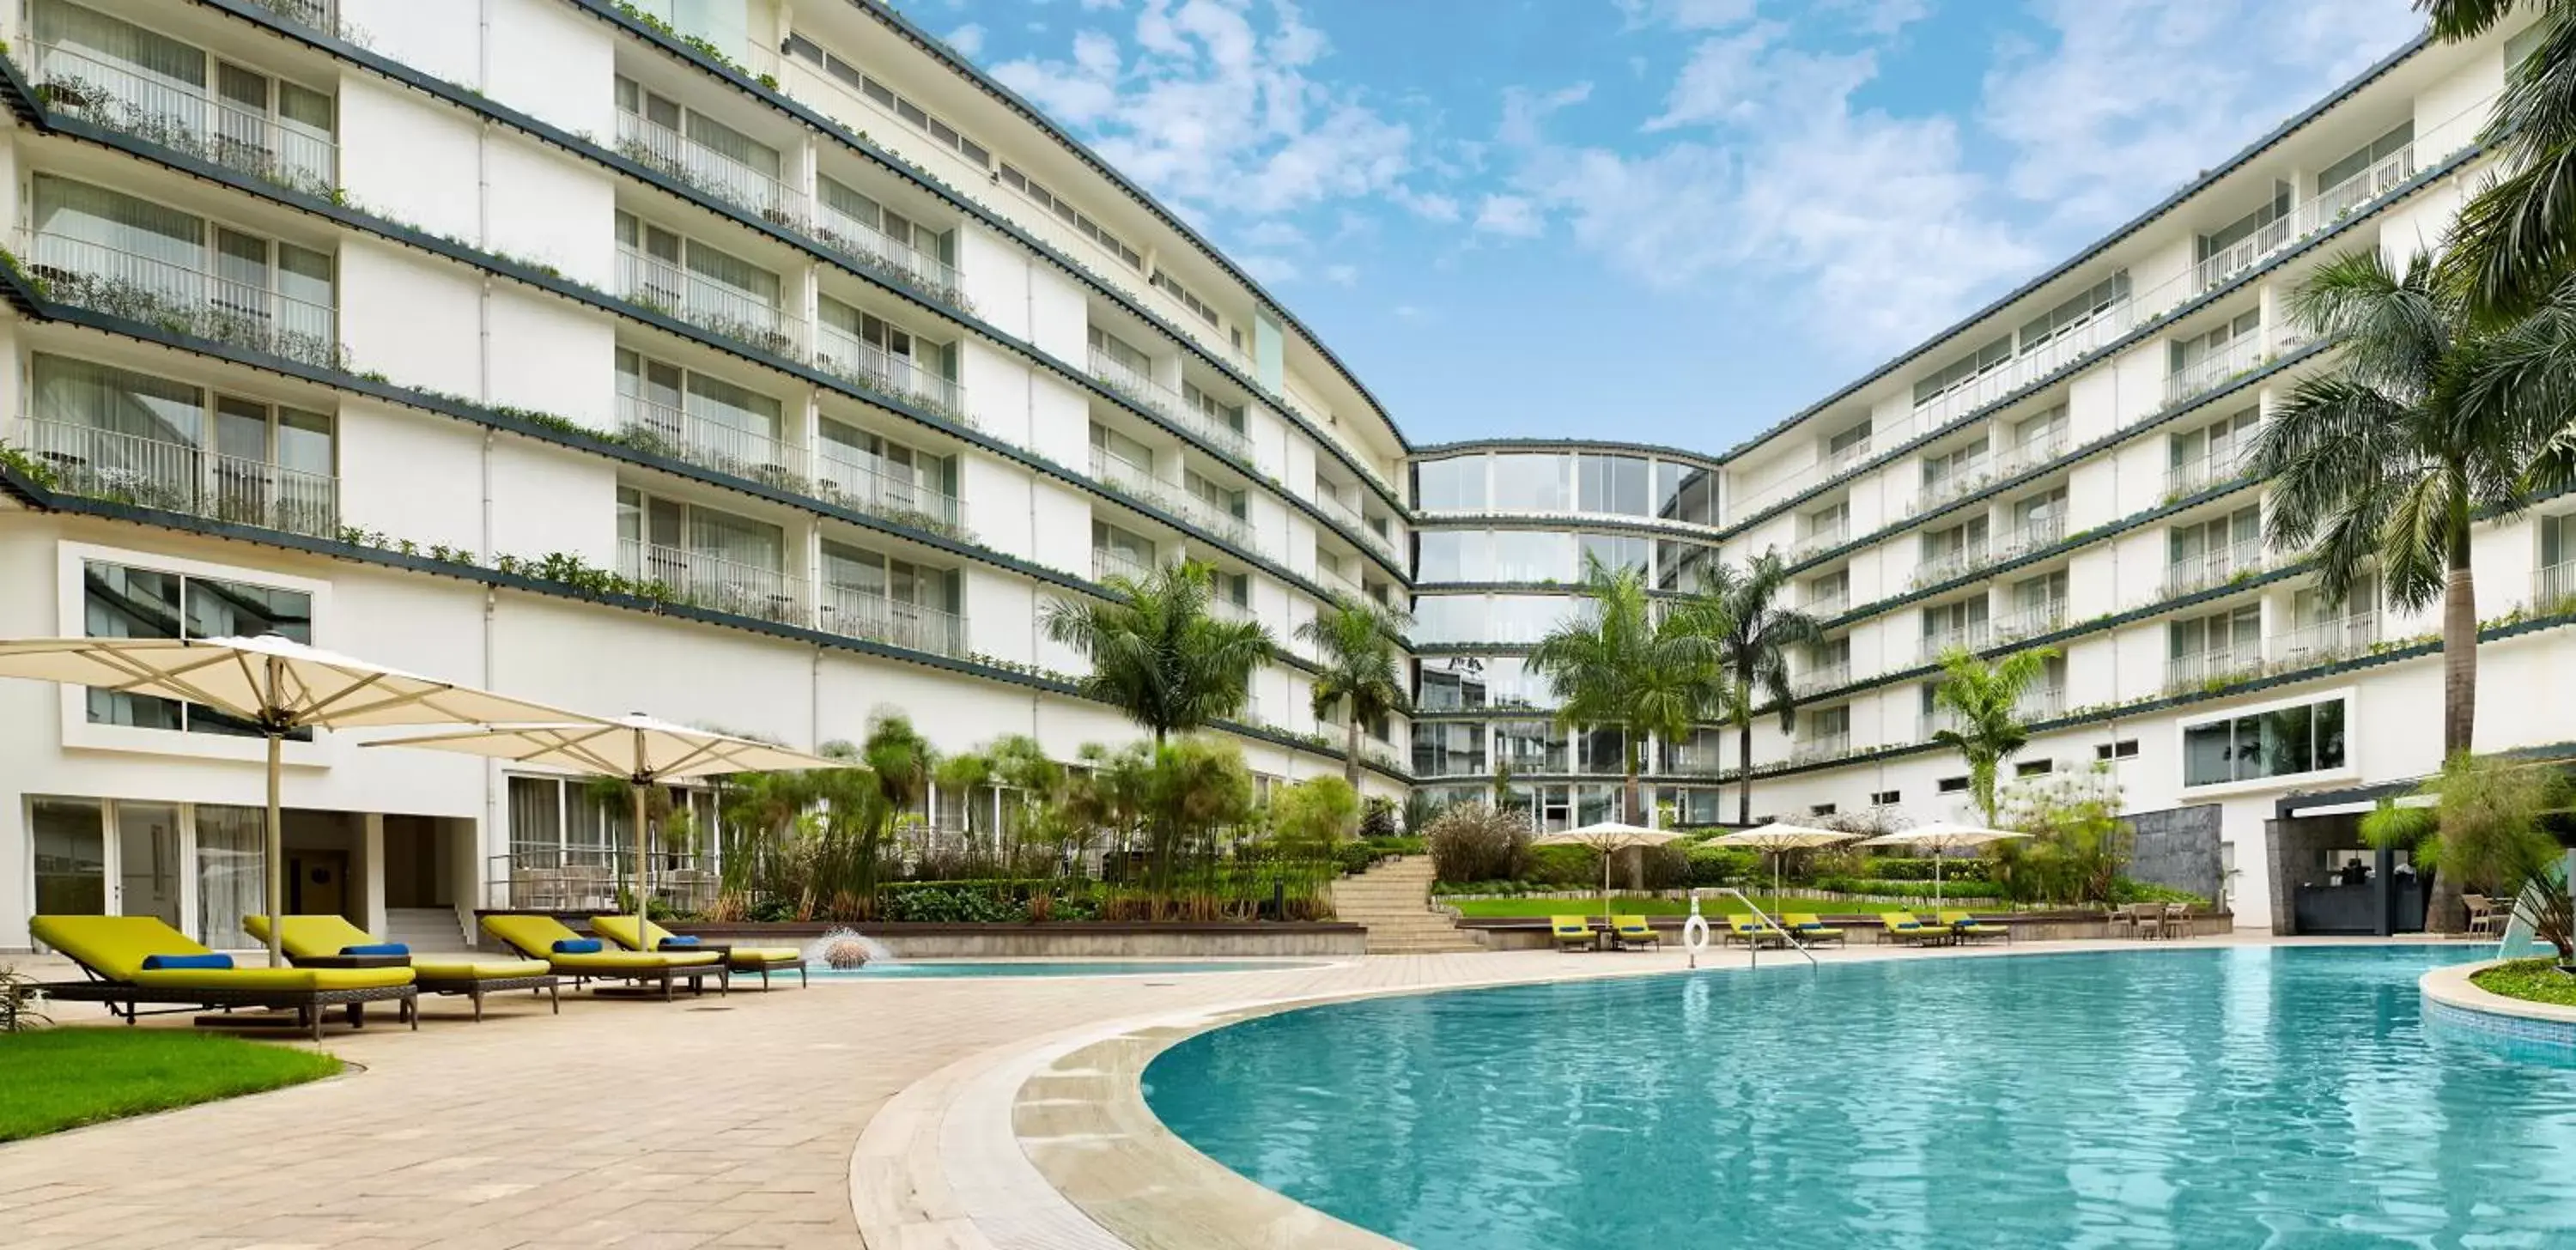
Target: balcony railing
1229	610
1827	606
2204	471
697	439
1818	747
2330	205
1933	722
1108	562
2032	621
186	120
658	147
2207	668
2214	567
677	291
1836	462
2030	453
2553	587
178	297
1952	563
1693	761
899	378
2031	535
588	879
717	584
1821	678
1966	638
2241	355
1952	485
174	477
2325	641
1340	509
850	612
877	252
1137	482
1126	380
855	479
2040	703
1821	539
1339	583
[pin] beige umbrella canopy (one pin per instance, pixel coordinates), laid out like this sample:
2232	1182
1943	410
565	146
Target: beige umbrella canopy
280	686
1607	837
1777	837
635	748
1944	835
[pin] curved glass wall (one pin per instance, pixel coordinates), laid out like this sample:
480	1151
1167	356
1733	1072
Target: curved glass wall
1604	483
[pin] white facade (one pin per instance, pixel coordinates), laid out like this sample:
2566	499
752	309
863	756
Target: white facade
411	328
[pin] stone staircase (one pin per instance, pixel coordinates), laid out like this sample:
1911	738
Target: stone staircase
429	930
1393	901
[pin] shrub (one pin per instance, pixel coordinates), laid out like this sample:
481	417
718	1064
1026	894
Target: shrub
1563	867
1474	842
1382	820
1721	865
954	903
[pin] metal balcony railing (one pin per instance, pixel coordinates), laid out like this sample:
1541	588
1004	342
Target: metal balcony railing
2031	535
682	293
2330	205
875	251
669	152
1127	380
1821	678
2214	567
2032	452
174	477
1952	485
2240	355
592	879
1952	563
899	378
2205	668
1967	638
1821	539
2032	621
855	479
1817	747
1229	610
2324	642
2040	703
2553	587
1824	607
180	297
708	581
852	612
1340	509
710	442
122	97
1837	462
1137	482
1108	562
2210	469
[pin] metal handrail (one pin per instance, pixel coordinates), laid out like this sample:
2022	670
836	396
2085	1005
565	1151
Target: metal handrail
1754	948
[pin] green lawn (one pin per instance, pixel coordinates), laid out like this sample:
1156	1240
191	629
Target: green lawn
63	1078
2534	980
1544	907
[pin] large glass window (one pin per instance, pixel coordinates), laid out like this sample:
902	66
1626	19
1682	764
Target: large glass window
1455	556
1685	493
1616	551
1535	556
1526	482
1612	484
1448	749
1449	618
1456	483
123	602
1529	746
2279	743
1465	682
1679	565
71	857
232	872
1527	618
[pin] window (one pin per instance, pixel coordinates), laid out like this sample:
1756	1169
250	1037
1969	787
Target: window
1616	551
1225	500
1964	370
1454	556
1956	466
1454	484
281	292
1529	746
1535	556
698	280
1228	415
1821	809
1531	483
2195	352
849	76
2125	748
2084	306
137	80
2034	768
1069	215
1172	287
2245	227
697	412
1885	798
1448	749
848	209
164	444
1681	565
1857	437
1462	682
2362	158
705	557
660	123
1685	493
119	601
1611	484
1952	785
2282	742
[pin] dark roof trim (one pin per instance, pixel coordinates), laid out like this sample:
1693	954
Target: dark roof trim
1470	446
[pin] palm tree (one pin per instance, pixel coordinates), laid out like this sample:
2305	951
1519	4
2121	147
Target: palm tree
1362	674
1985	701
1756	632
1621	664
2383	462
2514	241
2484	827
1157	655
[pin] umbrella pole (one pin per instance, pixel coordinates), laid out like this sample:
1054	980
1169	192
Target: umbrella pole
276	858
1936	878
640	905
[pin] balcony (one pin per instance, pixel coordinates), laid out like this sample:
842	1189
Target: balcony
2204	669
1821	678
1835	463
1955	485
2031	622
2039	532
1817	748
1693	761
2040	703
2202	472
2328	207
693	438
712	582
1341	584
189	301
2325	642
1124	379
2033	452
675	291
174	477
866	483
701	168
1334	506
2037	360
873	251
1971	637
2242	355
2215	567
850	612
1138	483
1826	607
898	378
118	97
1953	563
1820	540
2553	588
1229	610
1109	562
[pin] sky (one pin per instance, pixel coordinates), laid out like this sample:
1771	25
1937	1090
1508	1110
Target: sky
1663	221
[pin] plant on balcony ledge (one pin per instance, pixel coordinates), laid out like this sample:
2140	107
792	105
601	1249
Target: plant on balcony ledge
96	105
134	301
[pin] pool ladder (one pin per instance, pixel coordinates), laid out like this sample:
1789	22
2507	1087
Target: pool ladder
1753	948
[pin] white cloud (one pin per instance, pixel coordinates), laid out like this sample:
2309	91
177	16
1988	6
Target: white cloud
1094	6
1273	235
1687	14
967	39
1342	275
1511	216
1267	268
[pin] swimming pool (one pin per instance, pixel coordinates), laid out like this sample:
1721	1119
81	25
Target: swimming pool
1049	968
2240	1097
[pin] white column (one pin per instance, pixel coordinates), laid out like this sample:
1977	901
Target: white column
368	871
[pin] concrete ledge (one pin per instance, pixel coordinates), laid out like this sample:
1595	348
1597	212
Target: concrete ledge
1074	940
2452	1002
1523	933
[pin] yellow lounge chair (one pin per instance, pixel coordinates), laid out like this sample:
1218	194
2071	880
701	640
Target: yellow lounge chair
1967	926
1631	932
1810	931
114	950
318	941
761	959
1901	926
1751	930
536	936
1571	932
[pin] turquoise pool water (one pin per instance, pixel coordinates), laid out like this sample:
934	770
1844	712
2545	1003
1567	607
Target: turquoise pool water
2284	1097
1048	968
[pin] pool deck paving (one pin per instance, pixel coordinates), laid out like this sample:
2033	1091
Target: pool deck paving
894	1114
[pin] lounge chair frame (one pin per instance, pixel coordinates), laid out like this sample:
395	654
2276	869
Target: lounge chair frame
477	989
124	999
641	978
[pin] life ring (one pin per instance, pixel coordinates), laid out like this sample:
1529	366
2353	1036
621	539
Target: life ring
1695	929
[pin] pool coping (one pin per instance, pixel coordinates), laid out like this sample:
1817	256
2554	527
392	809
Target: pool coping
1048	1142
2450	987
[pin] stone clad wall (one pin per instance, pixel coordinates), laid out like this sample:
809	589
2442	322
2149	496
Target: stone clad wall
2178	848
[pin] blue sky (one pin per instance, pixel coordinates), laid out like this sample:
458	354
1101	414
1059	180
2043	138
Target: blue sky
1669	221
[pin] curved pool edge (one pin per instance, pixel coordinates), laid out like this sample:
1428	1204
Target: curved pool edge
2451	999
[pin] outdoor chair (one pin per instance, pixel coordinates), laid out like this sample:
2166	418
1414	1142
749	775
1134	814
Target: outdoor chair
1810	931
2485	918
1571	933
330	941
571	955
761	959
2177	920
1902	927
1632	933
133	960
1966	926
2149	919
1752	930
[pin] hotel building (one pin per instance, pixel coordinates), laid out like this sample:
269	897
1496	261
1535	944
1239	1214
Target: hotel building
761	364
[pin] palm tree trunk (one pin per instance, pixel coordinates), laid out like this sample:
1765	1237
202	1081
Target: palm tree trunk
1351	754
1744	773
2444	911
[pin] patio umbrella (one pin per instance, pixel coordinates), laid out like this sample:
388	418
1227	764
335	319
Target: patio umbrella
1607	837
642	751
1777	837
278	686
1943	835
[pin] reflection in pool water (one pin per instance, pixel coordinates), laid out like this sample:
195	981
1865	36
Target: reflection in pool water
2241	1097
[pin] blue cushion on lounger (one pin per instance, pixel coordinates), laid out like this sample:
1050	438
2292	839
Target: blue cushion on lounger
156	963
377	948
577	946
678	940
1909	924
